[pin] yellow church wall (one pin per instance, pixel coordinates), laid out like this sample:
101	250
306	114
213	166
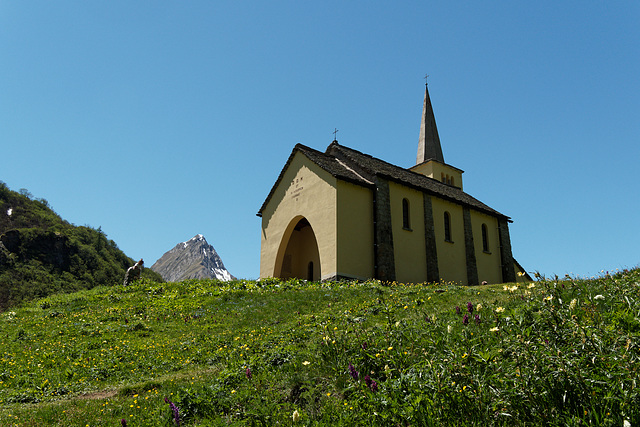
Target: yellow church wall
408	244
488	263
452	264
305	190
355	231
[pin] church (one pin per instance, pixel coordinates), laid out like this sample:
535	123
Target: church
342	214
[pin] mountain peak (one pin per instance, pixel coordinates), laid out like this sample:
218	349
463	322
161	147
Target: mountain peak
195	239
192	259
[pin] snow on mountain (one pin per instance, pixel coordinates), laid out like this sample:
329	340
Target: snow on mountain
193	259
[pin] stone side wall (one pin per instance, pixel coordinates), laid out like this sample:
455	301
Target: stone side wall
470	252
506	257
385	266
433	274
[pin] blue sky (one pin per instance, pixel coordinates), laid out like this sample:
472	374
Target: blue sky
160	120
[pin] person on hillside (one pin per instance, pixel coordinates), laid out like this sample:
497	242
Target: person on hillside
134	272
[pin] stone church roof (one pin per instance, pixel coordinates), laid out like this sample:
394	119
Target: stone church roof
362	169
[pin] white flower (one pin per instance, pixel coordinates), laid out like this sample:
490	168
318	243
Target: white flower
296	416
494	329
449	329
499	310
479	307
598	297
572	304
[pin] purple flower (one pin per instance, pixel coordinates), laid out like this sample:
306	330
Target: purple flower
465	319
457	310
353	372
174	409
248	373
427	319
477	319
371	384
364	345
470	307
123	422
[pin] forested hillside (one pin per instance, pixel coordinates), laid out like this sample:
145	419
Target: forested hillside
42	254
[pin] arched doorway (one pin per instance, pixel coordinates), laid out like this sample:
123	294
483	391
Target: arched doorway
300	258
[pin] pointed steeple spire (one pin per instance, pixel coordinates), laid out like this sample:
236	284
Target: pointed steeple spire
429	144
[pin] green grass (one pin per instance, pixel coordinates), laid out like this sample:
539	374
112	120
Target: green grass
560	352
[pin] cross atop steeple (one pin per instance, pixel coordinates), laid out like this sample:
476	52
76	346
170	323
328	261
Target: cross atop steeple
429	143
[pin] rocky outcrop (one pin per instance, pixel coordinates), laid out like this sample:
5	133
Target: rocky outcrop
193	259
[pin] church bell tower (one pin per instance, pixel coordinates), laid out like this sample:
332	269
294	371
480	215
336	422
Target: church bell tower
430	160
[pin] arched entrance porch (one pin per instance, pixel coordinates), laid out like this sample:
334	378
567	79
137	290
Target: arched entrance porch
298	254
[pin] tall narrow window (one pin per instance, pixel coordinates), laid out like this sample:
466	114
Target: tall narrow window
485	238
406	223
447	227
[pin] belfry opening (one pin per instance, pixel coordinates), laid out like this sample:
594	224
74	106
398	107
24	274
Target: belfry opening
298	253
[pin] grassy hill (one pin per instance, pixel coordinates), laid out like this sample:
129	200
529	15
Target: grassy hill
207	353
42	254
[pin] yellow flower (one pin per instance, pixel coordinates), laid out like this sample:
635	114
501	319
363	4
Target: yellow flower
531	285
296	416
494	329
306	362
499	310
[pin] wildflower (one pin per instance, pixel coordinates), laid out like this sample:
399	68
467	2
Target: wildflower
598	297
470	307
477	319
494	329
549	298
373	386
449	329
465	319
174	409
457	310
513	288
123	422
306	362
478	307
427	319
499	310
296	416
353	372
531	285
572	304
248	373
364	345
